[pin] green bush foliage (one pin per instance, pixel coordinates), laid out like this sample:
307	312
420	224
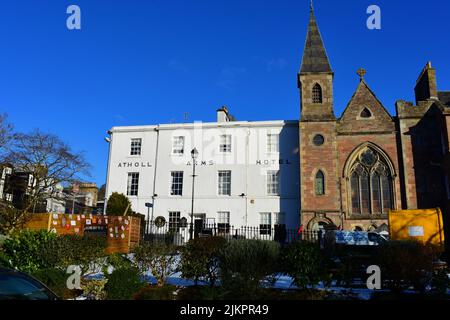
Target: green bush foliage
303	262
159	258
123	284
117	204
94	289
245	263
23	250
199	259
406	263
84	251
200	293
116	261
150	292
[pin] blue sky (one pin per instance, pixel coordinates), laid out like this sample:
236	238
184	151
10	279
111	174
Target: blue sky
141	62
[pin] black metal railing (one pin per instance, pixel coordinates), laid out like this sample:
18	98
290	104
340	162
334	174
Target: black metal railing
179	234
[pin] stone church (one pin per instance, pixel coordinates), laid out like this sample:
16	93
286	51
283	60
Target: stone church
356	167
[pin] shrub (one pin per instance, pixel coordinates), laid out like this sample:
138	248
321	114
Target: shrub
303	262
23	250
117	204
158	258
66	250
56	280
94	289
150	292
116	261
245	263
199	259
406	263
200	293
123	284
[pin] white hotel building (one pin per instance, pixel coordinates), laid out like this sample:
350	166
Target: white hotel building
247	173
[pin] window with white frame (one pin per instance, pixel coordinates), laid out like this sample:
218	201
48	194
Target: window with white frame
223	221
225	143
136	146
177	183
224	182
133	184
273	143
174	220
279	218
273	182
178	145
265	224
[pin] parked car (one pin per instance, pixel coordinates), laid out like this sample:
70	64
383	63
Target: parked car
16	285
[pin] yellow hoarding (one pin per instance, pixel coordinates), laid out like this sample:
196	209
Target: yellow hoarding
424	225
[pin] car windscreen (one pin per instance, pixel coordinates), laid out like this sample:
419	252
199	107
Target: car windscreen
15	287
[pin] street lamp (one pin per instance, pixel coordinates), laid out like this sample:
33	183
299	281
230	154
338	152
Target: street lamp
148	205
109	141
194	155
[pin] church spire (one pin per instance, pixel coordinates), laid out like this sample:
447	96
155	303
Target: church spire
314	55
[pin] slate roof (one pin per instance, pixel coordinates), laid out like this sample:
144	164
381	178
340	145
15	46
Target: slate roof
315	58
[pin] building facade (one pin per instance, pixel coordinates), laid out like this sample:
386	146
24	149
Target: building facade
323	171
247	173
356	167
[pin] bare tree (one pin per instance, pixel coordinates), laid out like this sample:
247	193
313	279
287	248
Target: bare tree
50	162
5	130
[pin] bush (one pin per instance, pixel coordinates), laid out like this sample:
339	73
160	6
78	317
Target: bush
158	258
245	263
200	293
116	261
23	250
56	280
94	289
150	292
117	204
406	263
66	250
123	284
303	262
199	259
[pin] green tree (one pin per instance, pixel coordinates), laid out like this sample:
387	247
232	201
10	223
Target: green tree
199	259
304	263
244	264
118	205
159	258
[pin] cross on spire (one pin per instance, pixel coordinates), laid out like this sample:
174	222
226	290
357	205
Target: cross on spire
361	73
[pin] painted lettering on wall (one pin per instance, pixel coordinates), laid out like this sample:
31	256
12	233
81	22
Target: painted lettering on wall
134	165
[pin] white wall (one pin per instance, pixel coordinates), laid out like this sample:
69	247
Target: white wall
248	175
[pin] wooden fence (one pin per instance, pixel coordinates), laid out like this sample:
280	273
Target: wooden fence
123	233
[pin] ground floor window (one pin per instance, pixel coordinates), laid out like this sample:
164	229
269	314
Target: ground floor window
174	221
265	224
223	221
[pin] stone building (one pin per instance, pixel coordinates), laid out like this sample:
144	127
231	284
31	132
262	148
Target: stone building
356	167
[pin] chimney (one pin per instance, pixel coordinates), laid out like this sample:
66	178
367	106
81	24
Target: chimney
426	86
223	115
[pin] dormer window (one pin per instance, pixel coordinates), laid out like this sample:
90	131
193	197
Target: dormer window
317	93
366	113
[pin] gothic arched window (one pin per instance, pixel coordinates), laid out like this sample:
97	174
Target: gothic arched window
320	183
370	184
317	93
